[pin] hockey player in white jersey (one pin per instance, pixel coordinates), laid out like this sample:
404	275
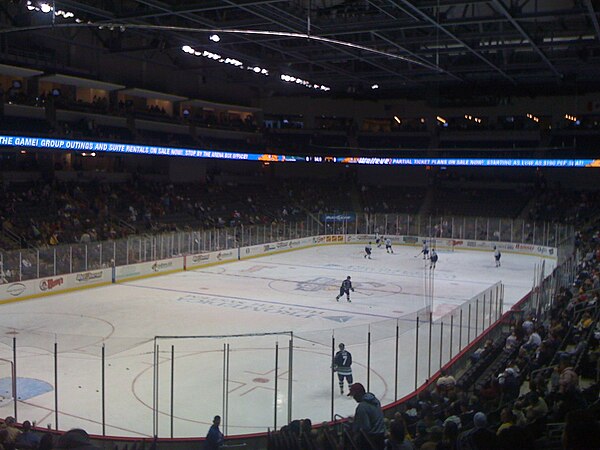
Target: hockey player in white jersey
368	250
388	245
497	256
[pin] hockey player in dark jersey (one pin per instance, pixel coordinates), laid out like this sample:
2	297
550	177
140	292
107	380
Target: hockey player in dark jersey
433	259
342	364
345	288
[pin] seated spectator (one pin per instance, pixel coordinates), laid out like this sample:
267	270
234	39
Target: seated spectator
568	379
512	342
27	439
445	383
507	419
450	438
12	432
533	341
477	354
479	437
434	438
75	439
581	432
536	407
397	437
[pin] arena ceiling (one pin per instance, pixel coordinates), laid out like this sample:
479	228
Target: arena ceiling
404	47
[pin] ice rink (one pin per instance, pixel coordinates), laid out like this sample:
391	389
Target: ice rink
292	291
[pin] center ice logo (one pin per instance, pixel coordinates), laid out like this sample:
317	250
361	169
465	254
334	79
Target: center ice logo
317	284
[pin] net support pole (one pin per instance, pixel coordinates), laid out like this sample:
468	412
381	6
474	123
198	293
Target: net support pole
460	325
469	326
430	337
441	341
476	317
227	393
332	373
157	384
396	355
103	387
290	376
417	353
14	377
483	314
154	388
276	375
369	359
172	385
223	383
56	385
451	333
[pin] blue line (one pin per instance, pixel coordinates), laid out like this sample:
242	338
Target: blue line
261	301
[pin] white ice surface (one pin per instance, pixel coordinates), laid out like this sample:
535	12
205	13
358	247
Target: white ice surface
292	291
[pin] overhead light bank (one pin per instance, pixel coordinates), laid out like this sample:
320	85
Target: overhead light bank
224	60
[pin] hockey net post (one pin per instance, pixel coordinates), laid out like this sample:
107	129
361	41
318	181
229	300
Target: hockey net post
8	382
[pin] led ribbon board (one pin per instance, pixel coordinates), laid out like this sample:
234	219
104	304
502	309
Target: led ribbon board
114	147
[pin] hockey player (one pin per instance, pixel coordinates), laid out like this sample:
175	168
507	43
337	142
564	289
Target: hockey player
345	288
425	250
368	250
388	245
378	240
433	259
342	364
497	256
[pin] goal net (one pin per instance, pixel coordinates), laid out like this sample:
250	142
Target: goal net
8	385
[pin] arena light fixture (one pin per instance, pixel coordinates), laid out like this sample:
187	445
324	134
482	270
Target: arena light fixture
291	79
375	86
441	120
214	38
397	119
570	117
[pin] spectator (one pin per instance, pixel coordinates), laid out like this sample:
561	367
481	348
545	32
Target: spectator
581	432
75	439
537	407
568	380
214	438
47	442
368	417
397	439
478	438
27	439
12	432
507	418
445	383
434	438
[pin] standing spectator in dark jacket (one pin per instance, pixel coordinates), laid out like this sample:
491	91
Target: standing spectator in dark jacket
214	438
368	417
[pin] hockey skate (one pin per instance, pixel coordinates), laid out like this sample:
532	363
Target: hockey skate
337	299
349	301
